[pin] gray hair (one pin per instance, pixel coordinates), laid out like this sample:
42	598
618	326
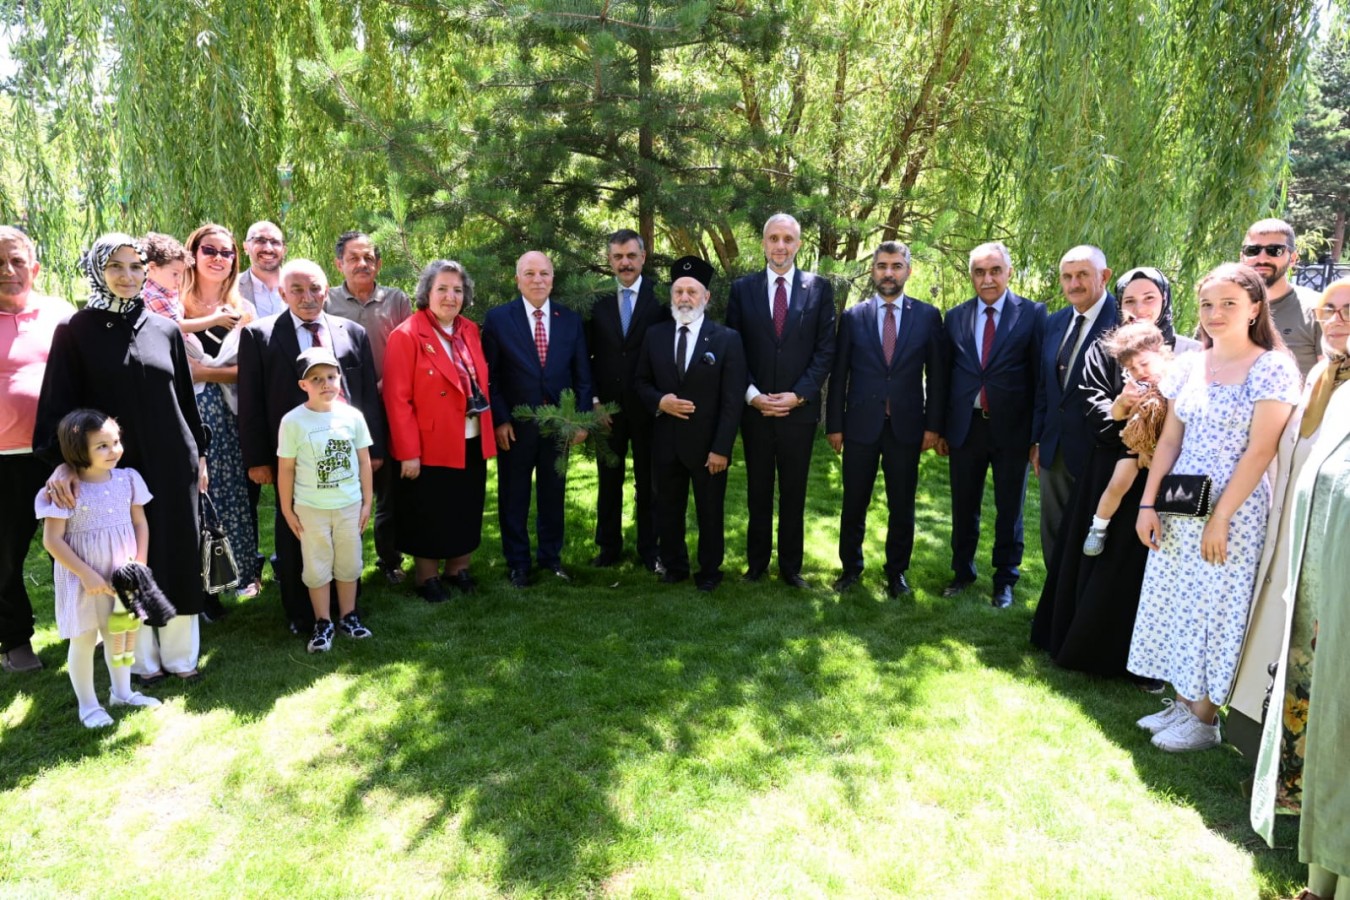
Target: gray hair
1086	253
1273	226
985	249
783	218
296	266
10	233
893	247
422	296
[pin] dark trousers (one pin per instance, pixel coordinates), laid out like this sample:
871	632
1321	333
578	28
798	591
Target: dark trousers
673	479
900	466
782	448
386	538
626	430
1056	492
968	466
22	475
531	457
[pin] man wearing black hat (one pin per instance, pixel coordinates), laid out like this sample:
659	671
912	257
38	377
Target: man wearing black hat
691	376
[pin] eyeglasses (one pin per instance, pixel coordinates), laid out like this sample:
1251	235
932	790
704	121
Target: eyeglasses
268	242
1328	314
1274	251
212	251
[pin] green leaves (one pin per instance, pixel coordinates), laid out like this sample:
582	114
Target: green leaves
565	421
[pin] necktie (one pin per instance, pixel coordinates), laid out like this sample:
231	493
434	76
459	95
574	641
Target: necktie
626	310
682	350
779	307
888	334
540	337
315	335
986	350
1065	357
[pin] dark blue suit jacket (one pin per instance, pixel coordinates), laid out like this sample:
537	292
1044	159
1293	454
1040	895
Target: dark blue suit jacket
515	376
1061	420
1010	379
861	382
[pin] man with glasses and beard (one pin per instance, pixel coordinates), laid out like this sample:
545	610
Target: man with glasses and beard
260	283
1269	249
878	411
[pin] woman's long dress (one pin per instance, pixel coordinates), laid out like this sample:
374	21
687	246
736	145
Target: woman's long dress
225	468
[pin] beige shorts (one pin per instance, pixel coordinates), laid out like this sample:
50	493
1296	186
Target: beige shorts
330	545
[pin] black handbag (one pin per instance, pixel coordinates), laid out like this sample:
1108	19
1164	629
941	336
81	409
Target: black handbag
1185	495
219	570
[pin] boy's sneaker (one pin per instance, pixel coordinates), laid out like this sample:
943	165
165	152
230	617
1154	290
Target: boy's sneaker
1160	721
351	626
1095	542
1188	733
322	641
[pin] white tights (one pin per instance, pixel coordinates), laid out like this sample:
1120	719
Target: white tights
80	663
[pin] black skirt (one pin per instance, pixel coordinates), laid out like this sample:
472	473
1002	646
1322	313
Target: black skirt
439	514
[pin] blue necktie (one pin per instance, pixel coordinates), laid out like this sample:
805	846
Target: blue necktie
626	310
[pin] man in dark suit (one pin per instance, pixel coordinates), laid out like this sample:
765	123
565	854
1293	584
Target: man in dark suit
994	341
1060	429
614	332
535	350
691	376
878	410
786	321
269	387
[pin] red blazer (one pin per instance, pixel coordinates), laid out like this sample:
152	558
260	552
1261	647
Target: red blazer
422	396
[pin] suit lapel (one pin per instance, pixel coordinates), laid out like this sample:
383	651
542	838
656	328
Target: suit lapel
1012	311
905	330
797	291
430	343
525	327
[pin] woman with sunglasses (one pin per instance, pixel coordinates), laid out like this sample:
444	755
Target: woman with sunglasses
1300	767
115	356
209	297
1086	612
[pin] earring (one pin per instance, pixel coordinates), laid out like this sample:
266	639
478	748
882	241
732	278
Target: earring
1251	321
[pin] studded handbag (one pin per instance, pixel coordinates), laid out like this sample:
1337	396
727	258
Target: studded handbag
219	570
1185	495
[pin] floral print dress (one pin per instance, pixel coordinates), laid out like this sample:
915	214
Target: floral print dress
1192	614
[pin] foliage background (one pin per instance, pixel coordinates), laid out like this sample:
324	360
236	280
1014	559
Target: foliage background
475	129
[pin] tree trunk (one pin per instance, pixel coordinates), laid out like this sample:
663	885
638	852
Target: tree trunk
646	202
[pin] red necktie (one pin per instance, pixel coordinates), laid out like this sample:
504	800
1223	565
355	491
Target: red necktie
540	337
779	308
888	334
986	349
315	335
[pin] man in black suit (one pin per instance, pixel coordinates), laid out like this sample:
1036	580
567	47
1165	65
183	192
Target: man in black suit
879	412
269	387
1060	429
994	342
786	321
614	332
691	376
535	350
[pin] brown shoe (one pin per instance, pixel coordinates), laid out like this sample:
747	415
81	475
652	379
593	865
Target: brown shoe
20	659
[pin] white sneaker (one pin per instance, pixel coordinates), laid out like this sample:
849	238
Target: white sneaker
134	699
1188	733
1095	542
1160	721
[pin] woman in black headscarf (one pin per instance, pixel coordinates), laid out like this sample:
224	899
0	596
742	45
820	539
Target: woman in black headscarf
131	364
1085	617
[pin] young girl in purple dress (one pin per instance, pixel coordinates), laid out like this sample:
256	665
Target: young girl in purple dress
105	529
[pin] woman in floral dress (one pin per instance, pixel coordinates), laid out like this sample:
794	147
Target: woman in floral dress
1227	407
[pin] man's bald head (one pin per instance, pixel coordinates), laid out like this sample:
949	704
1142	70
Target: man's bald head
534	277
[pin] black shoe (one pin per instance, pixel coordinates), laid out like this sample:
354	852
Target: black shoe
653	564
956	587
1003	597
393	572
846	581
673	577
432	591
707	583
604	559
897	586
463	580
793	581
558	572
519	578
752	575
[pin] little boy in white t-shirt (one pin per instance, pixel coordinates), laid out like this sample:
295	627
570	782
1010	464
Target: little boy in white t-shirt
324	488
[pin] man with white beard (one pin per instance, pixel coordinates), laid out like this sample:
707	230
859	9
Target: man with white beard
691	376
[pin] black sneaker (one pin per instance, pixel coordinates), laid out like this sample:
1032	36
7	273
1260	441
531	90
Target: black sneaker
322	641
351	626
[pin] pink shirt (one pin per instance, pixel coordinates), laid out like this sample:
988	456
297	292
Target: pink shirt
25	341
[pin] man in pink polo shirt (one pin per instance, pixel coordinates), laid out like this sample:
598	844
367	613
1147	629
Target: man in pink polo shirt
27	321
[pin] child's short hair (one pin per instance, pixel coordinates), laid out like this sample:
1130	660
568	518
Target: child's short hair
73	435
1131	339
162	249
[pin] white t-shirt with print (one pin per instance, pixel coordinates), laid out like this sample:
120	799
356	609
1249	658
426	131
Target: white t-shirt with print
324	445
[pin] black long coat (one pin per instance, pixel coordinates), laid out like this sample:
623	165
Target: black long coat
138	374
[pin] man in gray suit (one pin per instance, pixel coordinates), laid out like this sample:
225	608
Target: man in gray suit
260	283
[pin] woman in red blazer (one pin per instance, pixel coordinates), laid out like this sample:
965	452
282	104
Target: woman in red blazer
440	430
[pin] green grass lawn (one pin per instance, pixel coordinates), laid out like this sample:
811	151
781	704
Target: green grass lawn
621	738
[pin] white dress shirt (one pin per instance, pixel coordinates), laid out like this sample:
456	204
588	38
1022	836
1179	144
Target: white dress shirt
788	277
548	324
690	342
1090	316
899	305
980	316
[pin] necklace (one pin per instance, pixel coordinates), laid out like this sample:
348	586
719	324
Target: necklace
1214	369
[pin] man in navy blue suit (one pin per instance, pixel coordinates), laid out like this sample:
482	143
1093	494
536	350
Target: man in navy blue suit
535	350
1061	429
994	341
879	412
786	321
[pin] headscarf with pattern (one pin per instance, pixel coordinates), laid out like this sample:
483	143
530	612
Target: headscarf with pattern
1164	320
93	261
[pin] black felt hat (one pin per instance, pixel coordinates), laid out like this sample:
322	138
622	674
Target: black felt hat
693	267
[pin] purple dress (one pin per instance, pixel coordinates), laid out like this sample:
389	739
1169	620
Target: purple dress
100	531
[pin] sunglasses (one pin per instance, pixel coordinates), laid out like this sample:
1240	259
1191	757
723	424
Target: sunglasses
1328	314
212	251
1274	251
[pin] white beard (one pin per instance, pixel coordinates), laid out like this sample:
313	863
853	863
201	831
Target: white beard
685	316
